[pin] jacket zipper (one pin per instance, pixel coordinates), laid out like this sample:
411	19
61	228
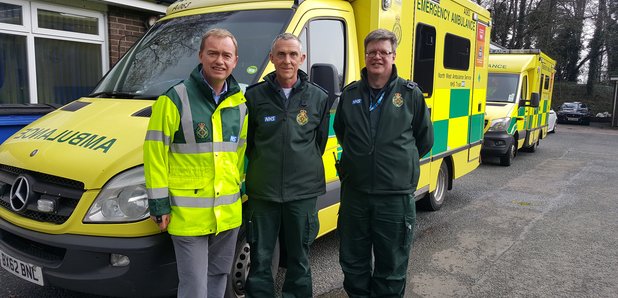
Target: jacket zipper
283	142
373	138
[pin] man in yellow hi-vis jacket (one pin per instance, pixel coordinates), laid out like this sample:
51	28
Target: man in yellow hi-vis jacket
194	161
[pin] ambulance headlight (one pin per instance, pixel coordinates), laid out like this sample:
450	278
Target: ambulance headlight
500	124
122	199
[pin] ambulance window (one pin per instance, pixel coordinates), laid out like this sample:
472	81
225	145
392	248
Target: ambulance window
424	57
456	52
524	88
546	87
324	42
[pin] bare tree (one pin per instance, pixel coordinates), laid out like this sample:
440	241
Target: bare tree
596	46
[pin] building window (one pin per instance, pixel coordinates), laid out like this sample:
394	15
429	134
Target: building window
65	47
67	22
11	14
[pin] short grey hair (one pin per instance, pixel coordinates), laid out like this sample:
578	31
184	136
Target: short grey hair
381	34
286	36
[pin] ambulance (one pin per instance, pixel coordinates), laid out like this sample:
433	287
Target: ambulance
73	204
519	94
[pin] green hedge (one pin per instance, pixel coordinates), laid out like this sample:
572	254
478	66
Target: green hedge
600	101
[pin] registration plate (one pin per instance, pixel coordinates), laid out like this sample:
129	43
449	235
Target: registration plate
572	119
29	272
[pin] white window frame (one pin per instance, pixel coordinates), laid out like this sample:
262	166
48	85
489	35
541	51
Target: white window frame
31	30
25	11
72	11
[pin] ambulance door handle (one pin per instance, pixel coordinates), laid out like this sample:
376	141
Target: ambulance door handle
479	109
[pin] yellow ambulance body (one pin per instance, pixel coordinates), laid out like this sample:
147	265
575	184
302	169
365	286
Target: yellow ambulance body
73	205
518	102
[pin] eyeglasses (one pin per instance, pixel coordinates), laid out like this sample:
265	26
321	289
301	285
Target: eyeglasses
372	54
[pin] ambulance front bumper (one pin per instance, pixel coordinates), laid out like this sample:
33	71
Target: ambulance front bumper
82	263
496	143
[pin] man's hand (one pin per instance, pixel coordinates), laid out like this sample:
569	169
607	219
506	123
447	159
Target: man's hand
162	221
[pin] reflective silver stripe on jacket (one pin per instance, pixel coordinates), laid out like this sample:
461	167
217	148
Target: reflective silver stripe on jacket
191	146
242	142
186	119
155	135
204	202
157	193
204	147
243	112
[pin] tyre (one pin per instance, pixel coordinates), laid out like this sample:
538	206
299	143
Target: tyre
507	159
240	268
532	148
433	201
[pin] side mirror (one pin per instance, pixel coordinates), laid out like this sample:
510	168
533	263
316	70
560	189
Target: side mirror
535	100
325	76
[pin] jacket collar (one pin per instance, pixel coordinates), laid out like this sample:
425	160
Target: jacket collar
390	80
272	82
198	80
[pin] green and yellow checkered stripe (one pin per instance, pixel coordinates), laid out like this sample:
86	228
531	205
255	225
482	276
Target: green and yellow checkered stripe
454	125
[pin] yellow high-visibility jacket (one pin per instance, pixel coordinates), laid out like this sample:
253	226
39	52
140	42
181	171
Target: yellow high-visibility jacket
194	157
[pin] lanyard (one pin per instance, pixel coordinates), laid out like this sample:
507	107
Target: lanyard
373	106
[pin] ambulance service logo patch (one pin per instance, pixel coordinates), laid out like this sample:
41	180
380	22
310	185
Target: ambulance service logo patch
397	100
302	117
201	131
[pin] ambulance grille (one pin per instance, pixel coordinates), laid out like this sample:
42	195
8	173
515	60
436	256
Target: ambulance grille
65	192
50	254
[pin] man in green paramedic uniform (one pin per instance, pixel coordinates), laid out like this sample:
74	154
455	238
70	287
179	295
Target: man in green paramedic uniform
288	130
383	127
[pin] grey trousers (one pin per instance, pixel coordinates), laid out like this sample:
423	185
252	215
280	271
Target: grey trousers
204	263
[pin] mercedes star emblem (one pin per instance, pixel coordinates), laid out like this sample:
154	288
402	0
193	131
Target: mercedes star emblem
19	194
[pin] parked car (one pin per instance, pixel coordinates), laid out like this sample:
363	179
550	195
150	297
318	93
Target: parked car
551	121
574	112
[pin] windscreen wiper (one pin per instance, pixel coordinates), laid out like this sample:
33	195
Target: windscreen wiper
120	94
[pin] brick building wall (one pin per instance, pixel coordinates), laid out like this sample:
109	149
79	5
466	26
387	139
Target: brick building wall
126	26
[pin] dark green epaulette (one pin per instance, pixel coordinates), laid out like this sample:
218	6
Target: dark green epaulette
351	85
256	84
411	85
319	87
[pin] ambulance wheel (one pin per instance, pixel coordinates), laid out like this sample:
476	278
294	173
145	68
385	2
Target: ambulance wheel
507	159
433	201
532	148
240	269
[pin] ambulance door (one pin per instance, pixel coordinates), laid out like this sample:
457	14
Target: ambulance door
476	120
542	111
424	75
528	111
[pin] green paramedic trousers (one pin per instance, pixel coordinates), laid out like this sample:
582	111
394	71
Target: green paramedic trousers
297	222
382	224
